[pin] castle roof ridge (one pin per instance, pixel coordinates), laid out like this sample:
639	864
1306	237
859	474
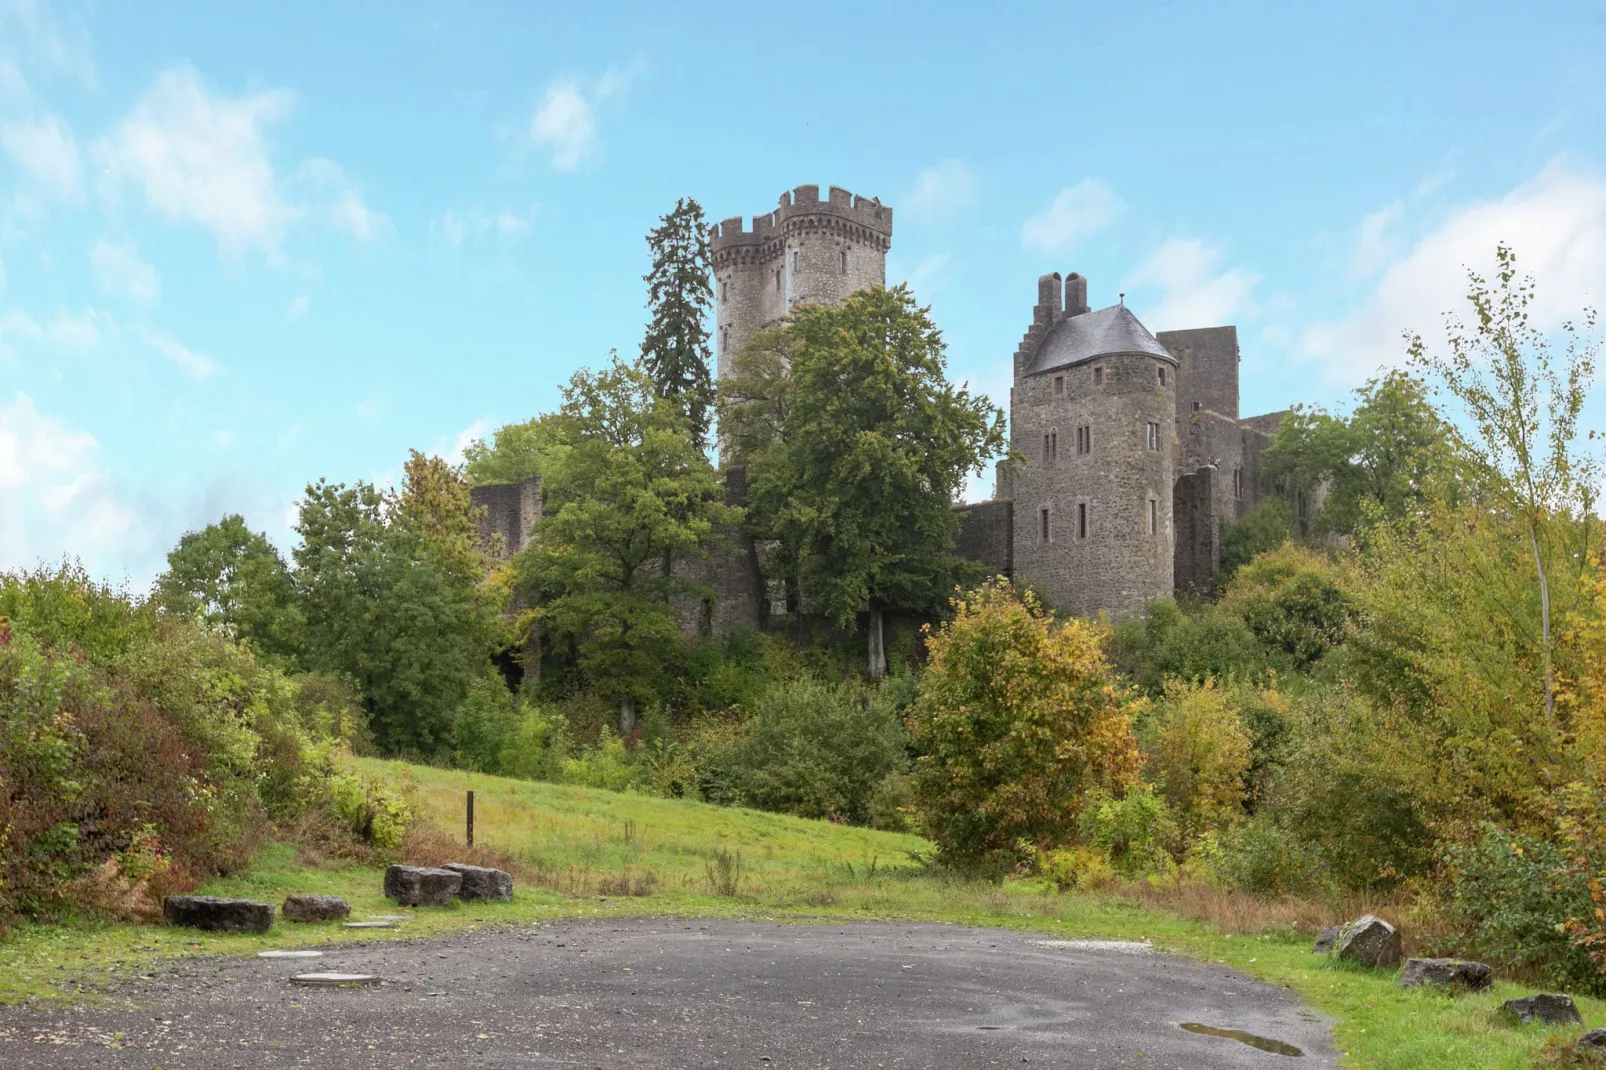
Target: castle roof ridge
1106	332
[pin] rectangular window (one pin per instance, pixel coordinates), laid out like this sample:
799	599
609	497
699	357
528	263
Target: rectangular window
1046	457
1081	520
1238	483
1098	376
1154	436
844	261
1154	517
1196	406
1084	440
1162	374
1042	517
1059	385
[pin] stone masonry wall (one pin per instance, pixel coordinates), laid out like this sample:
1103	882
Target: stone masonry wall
730	570
987	536
1116	564
511	511
1198	549
1207	372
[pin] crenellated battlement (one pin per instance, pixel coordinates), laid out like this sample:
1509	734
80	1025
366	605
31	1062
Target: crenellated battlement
799	210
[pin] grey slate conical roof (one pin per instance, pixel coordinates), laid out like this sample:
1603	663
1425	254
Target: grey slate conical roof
1103	333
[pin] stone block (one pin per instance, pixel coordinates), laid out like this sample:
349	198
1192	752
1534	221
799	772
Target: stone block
1551	1008
1446	973
480	882
1594	1040
1370	941
315	908
421	886
218	915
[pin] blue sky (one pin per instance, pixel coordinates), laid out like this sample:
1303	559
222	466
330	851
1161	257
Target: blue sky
239	252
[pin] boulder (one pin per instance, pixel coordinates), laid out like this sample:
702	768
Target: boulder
314	908
1324	942
1446	973
480	882
218	915
1370	941
1594	1040
1551	1008
421	886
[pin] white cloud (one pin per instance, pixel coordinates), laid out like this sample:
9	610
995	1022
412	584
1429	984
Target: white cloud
565	124
466	438
1077	212
204	159
1376	244
926	276
20	332
338	203
195	365
119	270
1195	290
368	410
1556	225
46	152
940	191
298	308
458	227
55	493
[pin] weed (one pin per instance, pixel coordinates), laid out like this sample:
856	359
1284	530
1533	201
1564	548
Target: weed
725	872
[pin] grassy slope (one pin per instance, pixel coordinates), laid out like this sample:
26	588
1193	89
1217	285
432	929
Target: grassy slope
577	840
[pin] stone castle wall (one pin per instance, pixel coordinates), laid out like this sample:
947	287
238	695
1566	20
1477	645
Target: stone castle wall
1207	369
510	513
806	251
1099	552
987	536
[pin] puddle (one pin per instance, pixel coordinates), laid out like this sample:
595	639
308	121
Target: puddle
1277	1047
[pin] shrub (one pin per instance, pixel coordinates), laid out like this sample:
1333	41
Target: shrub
1017	718
1132	831
604	765
1076	867
372	812
1291	600
1196	644
892	805
1260	856
1198	750
537	746
1512	895
485	722
817	750
1268	526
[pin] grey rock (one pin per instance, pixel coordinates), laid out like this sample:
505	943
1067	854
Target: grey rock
1324	942
1552	1008
1594	1039
1447	973
315	908
421	886
1370	941
218	915
480	882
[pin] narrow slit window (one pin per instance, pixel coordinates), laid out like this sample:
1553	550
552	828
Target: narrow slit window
1238	483
844	261
1081	520
1196	406
777	280
1059	385
1161	370
794	260
1153	436
724	291
1042	519
1046	456
1154	517
1053	445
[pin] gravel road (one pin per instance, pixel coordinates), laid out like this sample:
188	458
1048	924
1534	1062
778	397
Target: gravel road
683	994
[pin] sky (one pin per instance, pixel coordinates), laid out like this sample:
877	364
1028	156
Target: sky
243	251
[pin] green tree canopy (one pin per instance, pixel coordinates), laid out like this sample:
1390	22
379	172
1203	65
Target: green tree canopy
857	471
675	349
233	578
627	493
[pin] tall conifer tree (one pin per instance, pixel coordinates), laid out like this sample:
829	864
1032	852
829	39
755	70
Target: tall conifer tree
679	293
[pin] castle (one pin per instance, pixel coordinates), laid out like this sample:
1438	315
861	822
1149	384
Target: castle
1130	449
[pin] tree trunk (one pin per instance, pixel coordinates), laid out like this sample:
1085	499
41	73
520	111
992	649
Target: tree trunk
878	650
627	718
1544	625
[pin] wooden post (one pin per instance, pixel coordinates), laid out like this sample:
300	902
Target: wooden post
471	819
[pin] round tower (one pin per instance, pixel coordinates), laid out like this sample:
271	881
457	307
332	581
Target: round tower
1093	411
806	251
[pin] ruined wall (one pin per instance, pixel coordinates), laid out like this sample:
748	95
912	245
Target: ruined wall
1207	372
987	536
730	570
1198	526
805	251
511	511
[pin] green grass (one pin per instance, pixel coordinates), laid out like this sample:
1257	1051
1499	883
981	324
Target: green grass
573	841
